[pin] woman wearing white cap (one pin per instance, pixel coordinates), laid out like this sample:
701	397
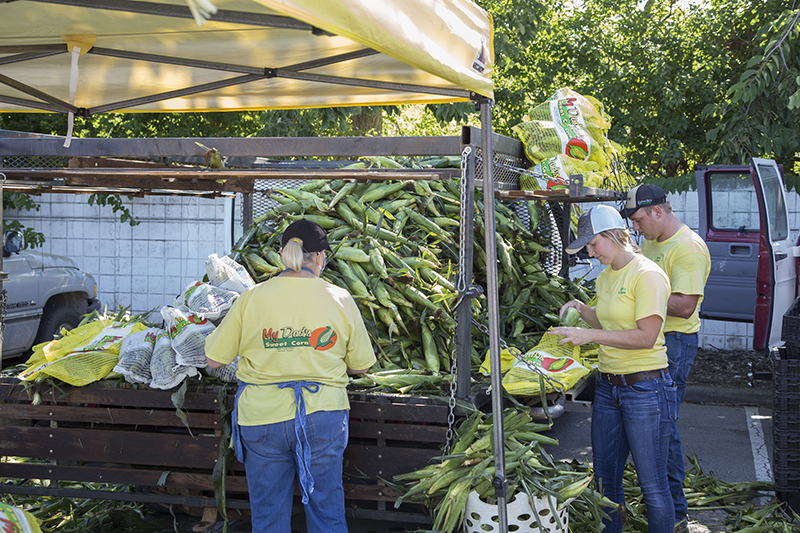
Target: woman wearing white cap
635	402
297	337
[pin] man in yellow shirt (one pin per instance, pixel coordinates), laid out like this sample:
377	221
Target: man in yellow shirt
683	255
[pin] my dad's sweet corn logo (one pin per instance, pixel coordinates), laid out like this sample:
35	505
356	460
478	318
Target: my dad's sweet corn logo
320	339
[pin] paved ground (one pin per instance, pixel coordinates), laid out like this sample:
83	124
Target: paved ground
721	425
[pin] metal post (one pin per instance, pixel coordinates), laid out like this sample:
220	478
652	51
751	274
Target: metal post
464	309
3	275
500	483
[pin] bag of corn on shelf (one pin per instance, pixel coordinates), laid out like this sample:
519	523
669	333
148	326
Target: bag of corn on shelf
225	273
83	355
135	355
166	372
560	364
188	333
568	123
206	300
554	173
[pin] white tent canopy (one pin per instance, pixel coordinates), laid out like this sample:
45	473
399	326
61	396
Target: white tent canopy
267	54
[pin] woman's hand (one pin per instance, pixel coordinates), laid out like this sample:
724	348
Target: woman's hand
576	304
575	336
587	313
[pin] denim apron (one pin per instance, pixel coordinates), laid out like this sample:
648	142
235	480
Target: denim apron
302	448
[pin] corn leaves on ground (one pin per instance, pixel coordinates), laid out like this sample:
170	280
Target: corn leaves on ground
530	470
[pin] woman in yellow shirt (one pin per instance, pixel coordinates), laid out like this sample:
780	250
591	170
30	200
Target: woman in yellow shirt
297	338
635	402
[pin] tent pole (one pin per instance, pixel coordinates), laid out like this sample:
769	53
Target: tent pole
3	275
500	483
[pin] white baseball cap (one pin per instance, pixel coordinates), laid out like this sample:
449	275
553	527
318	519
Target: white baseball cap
597	219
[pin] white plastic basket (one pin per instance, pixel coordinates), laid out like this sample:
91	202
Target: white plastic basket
481	517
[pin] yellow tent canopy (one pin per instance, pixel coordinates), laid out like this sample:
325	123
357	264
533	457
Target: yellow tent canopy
94	56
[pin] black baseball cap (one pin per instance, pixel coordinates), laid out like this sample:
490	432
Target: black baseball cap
642	196
310	233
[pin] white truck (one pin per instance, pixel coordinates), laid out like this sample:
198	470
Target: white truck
43	293
744	219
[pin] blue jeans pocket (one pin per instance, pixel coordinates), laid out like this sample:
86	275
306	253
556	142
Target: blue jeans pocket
326	426
671	393
253	434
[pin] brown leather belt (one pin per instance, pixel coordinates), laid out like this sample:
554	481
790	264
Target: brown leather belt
636	377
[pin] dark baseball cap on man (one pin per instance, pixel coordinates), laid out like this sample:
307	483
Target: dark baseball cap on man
642	196
311	233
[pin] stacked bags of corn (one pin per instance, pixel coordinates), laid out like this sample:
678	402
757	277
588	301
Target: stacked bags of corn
567	135
160	356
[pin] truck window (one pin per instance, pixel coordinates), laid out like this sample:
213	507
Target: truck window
734	204
776	211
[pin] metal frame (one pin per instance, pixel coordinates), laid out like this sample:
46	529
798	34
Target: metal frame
48	102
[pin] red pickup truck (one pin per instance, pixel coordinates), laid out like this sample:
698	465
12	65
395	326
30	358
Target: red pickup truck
744	219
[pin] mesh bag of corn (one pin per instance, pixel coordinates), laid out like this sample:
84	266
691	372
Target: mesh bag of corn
83	355
206	300
188	333
554	173
225	373
569	124
560	364
225	273
166	372
135	355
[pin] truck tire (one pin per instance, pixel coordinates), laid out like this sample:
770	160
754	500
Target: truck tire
54	318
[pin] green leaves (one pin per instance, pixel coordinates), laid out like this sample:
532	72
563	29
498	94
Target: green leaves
116	205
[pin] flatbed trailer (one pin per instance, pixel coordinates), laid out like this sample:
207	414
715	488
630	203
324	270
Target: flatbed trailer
113	433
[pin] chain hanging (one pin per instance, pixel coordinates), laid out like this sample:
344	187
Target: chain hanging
3	306
461	287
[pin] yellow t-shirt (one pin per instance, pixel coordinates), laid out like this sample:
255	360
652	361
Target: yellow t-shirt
684	257
638	290
292	329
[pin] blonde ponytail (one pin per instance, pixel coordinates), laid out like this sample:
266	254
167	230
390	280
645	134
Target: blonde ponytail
294	257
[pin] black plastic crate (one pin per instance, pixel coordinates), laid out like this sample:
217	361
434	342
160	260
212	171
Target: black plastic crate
785	424
790	330
792	499
786	469
785	404
785	440
791	350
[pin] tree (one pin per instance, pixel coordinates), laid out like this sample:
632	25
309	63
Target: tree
760	116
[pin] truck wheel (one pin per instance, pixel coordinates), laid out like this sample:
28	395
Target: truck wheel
54	318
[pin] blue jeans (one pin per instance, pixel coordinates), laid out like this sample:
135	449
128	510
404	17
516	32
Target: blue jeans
637	420
269	460
681	351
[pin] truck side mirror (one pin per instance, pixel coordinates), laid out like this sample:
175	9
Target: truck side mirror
13	242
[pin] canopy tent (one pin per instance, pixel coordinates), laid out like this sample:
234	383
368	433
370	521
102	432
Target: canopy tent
92	56
266	54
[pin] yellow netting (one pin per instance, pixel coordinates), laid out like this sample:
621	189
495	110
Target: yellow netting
83	355
560	363
567	135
